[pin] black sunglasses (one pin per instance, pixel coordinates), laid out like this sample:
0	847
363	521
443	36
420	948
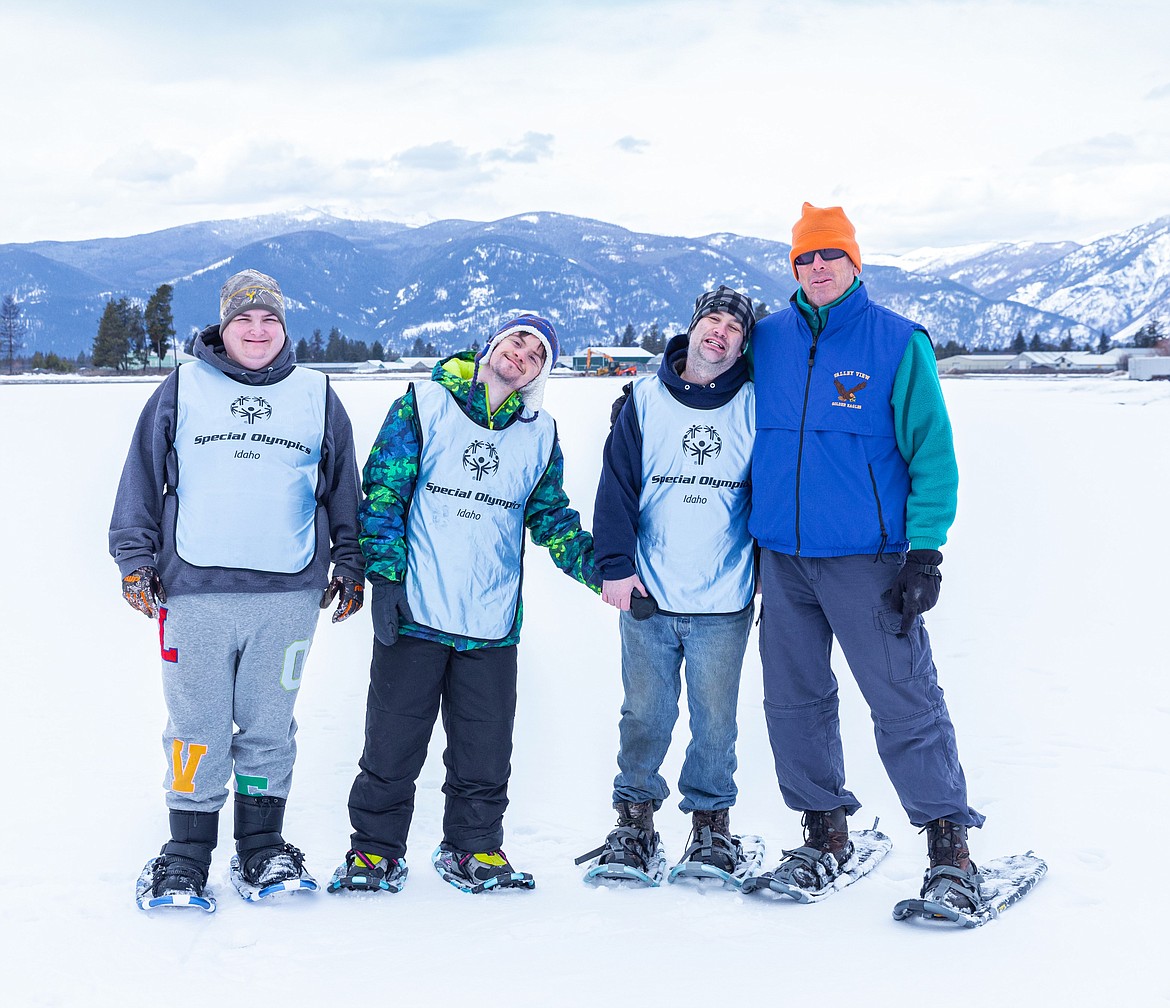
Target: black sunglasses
806	258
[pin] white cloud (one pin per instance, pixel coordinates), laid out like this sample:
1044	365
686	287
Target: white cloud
468	109
631	145
145	163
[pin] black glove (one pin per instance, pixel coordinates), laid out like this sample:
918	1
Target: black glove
143	589
642	606
349	596
619	402
389	609
916	587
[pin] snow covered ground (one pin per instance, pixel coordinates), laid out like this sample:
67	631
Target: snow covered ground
1052	645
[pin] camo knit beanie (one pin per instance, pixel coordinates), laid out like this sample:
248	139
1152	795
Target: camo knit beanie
250	289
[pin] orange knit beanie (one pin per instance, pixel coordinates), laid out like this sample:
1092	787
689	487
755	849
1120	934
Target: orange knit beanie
823	227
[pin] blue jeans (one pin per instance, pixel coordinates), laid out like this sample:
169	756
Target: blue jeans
653	652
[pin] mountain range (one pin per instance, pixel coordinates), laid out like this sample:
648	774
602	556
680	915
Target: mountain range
453	281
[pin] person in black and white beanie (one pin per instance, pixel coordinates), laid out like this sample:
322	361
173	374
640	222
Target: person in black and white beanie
678	563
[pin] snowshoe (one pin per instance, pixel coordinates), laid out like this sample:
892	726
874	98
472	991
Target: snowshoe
476	873
629	854
1000	883
362	873
271	871
730	859
169	881
809	875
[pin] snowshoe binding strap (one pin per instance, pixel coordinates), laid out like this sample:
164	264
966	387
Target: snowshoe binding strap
947	890
713	849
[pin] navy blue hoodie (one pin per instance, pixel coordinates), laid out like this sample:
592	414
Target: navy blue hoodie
615	511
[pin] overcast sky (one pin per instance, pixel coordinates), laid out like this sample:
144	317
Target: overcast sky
933	122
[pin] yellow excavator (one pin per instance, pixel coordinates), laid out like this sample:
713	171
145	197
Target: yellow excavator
611	368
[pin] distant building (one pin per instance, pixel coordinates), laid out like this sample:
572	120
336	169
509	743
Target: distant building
975	363
1148	368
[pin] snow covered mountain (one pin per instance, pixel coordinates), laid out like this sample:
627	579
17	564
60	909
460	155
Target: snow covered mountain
450	282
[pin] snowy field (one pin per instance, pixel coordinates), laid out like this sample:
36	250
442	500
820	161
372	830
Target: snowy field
1050	636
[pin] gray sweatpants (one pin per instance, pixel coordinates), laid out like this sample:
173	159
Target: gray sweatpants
232	660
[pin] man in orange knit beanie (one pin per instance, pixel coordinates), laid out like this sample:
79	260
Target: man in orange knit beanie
854	487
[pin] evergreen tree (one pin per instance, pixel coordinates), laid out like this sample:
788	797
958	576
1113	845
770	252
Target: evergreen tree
1103	343
49	362
1066	344
1018	344
316	347
12	330
418	348
949	349
376	351
653	341
335	350
302	350
761	310
111	345
1148	335
160	323
629	337
135	325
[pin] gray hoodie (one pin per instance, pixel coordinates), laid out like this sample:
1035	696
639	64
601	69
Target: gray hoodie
143	524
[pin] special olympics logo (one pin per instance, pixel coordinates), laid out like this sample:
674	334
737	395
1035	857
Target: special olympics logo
481	459
251	408
702	443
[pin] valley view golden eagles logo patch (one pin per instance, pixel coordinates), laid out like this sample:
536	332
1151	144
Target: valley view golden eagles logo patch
848	384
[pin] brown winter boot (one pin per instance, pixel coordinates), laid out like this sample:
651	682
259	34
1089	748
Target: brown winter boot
952	879
826	850
711	842
946	844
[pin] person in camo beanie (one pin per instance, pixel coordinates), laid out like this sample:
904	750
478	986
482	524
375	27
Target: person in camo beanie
232	563
247	290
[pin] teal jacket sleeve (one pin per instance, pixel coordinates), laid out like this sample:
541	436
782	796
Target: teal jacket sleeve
923	431
554	525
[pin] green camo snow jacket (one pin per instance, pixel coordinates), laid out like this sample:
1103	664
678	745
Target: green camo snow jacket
391	472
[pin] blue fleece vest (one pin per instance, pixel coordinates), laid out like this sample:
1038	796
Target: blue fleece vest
827	476
249	461
465	528
694	553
